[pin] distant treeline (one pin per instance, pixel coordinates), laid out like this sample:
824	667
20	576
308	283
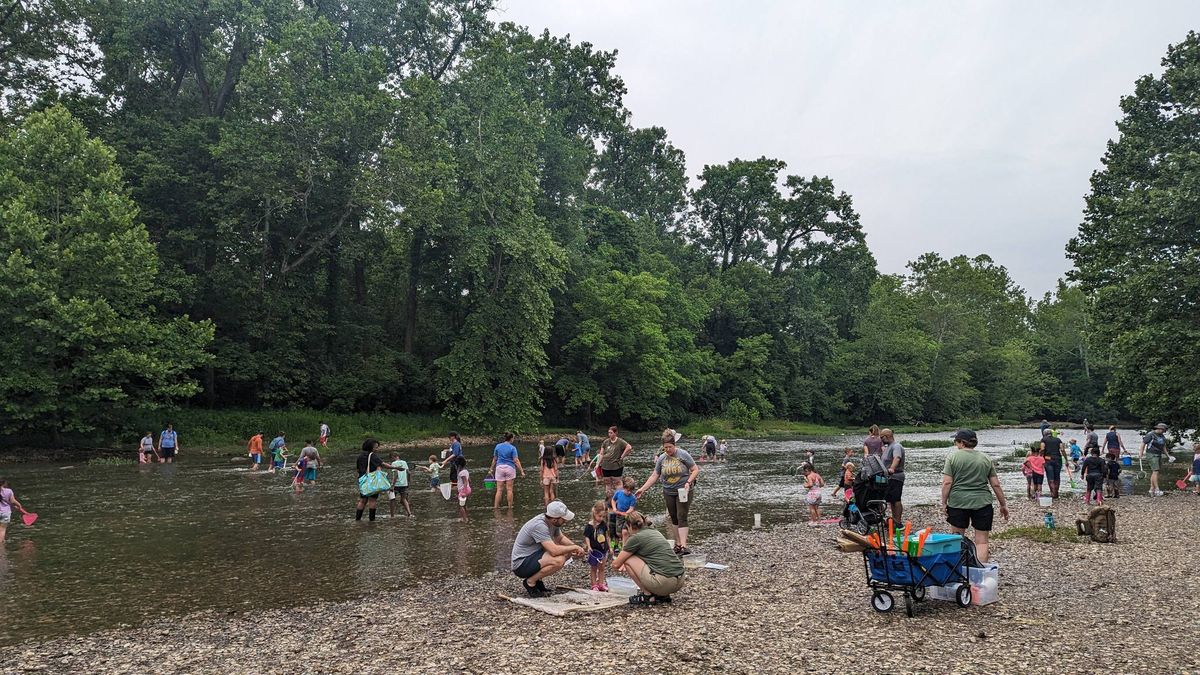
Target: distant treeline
382	206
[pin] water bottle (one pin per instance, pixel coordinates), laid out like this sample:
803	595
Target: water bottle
1049	521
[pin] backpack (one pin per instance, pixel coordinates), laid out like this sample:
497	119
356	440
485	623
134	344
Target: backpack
1100	524
872	467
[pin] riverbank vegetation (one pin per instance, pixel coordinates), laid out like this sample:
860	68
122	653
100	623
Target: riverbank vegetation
405	213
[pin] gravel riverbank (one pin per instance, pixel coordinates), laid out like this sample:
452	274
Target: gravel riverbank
788	602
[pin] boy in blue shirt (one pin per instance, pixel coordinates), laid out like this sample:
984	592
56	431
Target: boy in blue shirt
623	501
1076	454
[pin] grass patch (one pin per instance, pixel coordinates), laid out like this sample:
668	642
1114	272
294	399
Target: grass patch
1043	535
109	461
724	428
931	443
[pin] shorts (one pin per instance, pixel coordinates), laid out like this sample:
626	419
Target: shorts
5	518
710	453
148	452
560	451
1037	479
980	519
895	490
657	583
813	498
1195	478
505	472
167	453
434	481
1155	461
612	473
401	491
1053	472
310	474
550	480
596	558
277	463
257	459
1094	483
1111	484
531	565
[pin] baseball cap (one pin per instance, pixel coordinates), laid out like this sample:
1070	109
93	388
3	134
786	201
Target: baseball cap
966	435
558	509
1160	425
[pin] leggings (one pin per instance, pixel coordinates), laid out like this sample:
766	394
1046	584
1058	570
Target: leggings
678	510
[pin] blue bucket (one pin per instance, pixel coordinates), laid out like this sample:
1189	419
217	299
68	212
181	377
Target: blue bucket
1127	460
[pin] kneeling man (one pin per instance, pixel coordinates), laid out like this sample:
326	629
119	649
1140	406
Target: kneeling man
541	549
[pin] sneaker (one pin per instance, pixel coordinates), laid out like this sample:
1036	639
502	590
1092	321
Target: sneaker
534	591
596	587
541	586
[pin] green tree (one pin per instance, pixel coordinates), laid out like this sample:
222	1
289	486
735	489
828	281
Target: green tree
84	342
1137	251
1065	348
734	206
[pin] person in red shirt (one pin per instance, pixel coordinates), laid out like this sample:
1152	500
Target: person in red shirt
254	447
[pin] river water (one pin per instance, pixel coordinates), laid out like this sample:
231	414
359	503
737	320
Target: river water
119	545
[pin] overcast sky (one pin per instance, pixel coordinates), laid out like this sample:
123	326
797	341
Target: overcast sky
958	127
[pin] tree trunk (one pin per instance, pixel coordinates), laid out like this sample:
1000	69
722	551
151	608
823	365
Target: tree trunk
333	273
415	249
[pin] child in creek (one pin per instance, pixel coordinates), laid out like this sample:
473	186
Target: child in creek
279	453
595	537
1034	469
146	449
7	501
464	486
1076	454
844	482
813	484
300	467
624	501
722	449
1193	475
433	469
1094	473
1112	469
549	478
399	470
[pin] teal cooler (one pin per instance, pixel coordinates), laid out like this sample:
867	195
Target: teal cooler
939	557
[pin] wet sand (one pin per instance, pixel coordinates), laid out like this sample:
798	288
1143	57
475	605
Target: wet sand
788	602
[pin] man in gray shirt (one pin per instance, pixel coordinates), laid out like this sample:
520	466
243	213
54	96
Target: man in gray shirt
541	549
893	459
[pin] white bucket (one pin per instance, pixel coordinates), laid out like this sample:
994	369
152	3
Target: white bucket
1045	502
683	494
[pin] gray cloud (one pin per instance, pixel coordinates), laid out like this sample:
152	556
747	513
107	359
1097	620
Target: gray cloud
959	127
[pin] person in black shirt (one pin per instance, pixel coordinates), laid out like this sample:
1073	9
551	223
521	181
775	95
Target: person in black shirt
1094	472
1052	448
368	460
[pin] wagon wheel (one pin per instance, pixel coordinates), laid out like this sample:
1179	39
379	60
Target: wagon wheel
908	605
963	595
882	601
918	593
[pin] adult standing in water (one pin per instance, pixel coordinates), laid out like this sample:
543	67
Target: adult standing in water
873	444
505	465
647	558
678	472
1052	450
1113	443
168	445
1154	444
966	500
585	444
1091	438
368	460
310	453
893	460
613	452
455	450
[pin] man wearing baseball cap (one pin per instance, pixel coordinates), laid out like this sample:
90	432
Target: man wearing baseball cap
540	549
1155	445
968	481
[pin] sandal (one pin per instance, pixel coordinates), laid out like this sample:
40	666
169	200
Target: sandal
678	548
683	550
647	600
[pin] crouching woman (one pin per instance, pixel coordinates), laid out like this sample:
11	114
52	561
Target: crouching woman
648	559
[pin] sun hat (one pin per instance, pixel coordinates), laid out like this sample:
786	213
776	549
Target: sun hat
966	436
557	509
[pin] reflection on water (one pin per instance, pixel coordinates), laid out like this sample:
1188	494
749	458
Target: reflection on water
122	544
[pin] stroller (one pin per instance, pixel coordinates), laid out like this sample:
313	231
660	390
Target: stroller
868	508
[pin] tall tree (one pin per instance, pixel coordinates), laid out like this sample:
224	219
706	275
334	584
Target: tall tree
1138	247
642	174
83	339
813	213
735	205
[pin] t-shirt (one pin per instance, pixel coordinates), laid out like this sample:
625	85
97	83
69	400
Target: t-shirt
1112	440
256	444
722	449
399	473
1044	427
6	497
277	450
1076	453
610	454
1037	463
653	549
1196	464
674	471
597	536
367	461
148	443
324	430
628	500
464	479
455	449
585	442
529	539
1093	467
1156	444
893	451
1113	467
167	438
434	469
1053	449
1093	440
505	453
970	475
874	445
310	453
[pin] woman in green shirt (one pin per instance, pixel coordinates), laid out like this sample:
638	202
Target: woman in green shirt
647	558
968	480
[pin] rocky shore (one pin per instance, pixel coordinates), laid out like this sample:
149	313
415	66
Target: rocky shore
789	602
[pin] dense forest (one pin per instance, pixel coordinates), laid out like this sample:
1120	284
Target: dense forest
400	205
